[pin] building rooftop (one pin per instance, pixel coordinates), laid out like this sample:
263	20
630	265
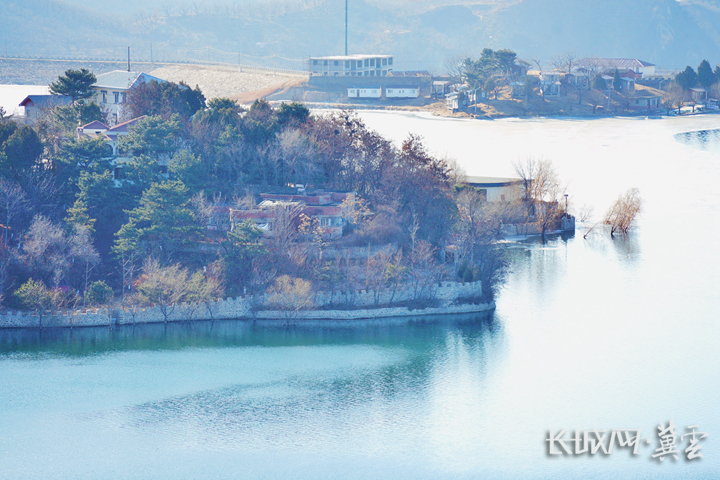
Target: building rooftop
120	79
351	57
41	101
608	63
408	73
492	181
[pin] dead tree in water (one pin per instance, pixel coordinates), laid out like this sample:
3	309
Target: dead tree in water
623	212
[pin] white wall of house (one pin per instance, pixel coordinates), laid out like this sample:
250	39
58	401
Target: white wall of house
111	101
364	92
402	92
508	193
645	103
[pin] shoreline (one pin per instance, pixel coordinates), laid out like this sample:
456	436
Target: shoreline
311	318
653	115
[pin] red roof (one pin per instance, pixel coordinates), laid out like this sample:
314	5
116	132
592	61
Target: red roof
94	125
123	127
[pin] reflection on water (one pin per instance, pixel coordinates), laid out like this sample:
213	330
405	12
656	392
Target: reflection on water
224	333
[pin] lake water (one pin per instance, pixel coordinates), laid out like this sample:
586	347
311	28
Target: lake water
588	334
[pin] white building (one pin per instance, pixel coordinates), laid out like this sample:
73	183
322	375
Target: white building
111	90
402	91
351	65
364	92
497	189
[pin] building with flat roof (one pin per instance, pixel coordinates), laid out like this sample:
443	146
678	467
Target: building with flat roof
351	65
497	189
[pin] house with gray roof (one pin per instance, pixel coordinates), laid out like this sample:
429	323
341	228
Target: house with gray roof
111	90
35	104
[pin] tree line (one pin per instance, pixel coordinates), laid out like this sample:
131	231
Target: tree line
79	230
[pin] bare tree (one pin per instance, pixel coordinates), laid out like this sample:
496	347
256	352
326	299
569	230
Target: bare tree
163	287
284	225
168	8
424	272
455	65
290	295
82	249
542	188
587	69
622	214
12	201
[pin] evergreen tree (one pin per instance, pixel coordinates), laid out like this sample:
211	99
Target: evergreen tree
617	82
164	218
76	84
20	151
705	75
599	83
687	79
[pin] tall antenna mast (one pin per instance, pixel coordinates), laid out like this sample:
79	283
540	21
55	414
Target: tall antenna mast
128	59
346	5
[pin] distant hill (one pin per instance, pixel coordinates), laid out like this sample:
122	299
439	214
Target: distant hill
421	34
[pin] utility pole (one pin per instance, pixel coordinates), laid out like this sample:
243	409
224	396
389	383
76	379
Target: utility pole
346	26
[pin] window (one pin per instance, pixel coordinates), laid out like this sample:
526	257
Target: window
104	96
315	62
384	72
124	97
337	63
367	62
118	173
336	74
366	73
384	61
324	63
347	63
372	73
372	62
390	61
389	90
359	64
117	96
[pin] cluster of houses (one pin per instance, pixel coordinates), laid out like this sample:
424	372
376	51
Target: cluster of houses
554	83
276	214
557	82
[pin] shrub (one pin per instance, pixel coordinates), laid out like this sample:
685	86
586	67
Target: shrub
98	293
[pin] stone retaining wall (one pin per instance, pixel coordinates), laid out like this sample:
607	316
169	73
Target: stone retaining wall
446	294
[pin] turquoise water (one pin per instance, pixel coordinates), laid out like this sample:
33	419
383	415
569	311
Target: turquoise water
588	334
